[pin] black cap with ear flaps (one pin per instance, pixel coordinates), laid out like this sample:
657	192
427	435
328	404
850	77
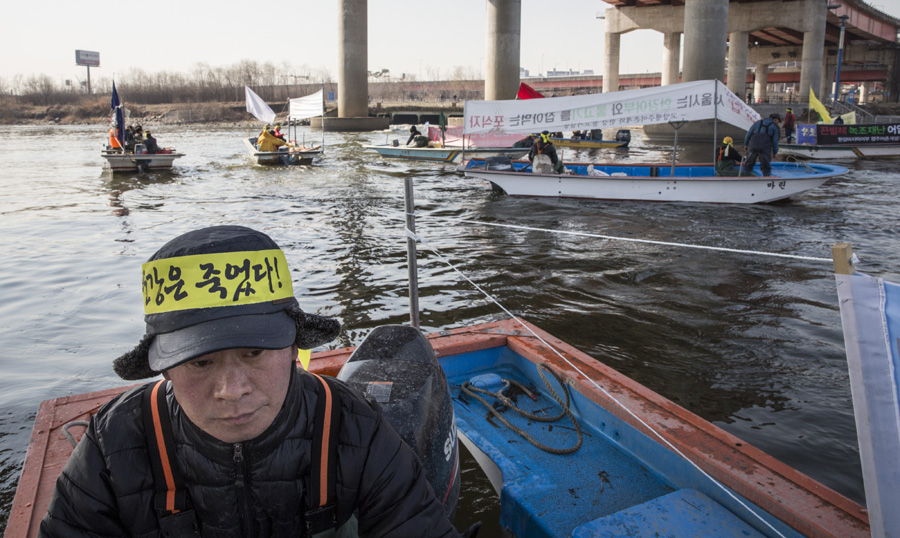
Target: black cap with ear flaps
177	335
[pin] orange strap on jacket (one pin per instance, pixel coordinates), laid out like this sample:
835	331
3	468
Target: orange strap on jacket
321	514
171	493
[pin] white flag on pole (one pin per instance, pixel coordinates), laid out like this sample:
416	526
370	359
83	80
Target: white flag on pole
258	107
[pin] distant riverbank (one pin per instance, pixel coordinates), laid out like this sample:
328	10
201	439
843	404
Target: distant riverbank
97	112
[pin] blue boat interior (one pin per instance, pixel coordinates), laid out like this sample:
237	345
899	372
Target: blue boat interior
781	169
620	482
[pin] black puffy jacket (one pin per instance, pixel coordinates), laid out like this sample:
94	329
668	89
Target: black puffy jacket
106	488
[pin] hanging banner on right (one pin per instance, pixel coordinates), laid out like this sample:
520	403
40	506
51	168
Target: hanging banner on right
857	134
870	316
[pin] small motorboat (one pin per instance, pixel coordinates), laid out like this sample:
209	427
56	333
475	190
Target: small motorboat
119	160
122	157
445	154
653	182
573	448
594	140
286	155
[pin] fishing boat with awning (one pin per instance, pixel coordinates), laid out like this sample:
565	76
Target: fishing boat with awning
294	152
675	104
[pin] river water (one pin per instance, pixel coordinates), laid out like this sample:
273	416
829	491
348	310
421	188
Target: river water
750	342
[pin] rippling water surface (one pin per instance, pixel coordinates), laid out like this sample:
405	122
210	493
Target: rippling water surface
749	342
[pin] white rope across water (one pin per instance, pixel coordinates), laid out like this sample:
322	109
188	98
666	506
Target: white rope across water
418	238
633	240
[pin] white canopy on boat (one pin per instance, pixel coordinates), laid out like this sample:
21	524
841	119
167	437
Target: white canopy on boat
258	107
687	101
311	106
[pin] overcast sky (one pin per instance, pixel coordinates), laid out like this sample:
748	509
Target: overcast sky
424	38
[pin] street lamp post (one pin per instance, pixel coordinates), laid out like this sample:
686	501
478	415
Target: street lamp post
837	73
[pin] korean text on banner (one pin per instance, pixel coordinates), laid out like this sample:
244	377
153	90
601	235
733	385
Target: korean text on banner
688	101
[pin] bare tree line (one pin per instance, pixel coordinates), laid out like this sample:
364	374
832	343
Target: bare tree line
205	83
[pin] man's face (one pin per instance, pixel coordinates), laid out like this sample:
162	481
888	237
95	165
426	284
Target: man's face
234	394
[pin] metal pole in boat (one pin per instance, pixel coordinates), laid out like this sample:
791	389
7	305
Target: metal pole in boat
323	119
674	154
715	121
411	252
675	125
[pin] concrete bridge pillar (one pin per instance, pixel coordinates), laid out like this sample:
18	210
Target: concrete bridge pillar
353	55
671	57
762	81
504	22
813	52
353	65
705	32
737	62
611	62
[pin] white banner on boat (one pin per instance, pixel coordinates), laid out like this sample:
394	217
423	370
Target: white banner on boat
687	101
870	316
307	107
258	107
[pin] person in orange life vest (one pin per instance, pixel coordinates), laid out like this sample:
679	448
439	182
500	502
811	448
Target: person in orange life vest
543	146
113	138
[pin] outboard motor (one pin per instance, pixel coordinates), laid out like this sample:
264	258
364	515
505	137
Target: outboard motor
396	367
623	135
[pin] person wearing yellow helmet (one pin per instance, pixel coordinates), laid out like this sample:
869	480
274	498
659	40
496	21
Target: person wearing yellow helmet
543	146
728	159
267	141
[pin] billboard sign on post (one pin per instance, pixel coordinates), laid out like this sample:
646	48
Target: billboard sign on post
87	57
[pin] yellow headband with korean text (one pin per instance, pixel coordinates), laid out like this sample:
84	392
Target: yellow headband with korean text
212	280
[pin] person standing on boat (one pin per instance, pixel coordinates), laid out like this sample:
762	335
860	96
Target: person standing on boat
150	144
129	138
761	143
543	146
236	440
789	120
728	160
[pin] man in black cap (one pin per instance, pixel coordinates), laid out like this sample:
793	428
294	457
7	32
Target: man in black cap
762	142
236	441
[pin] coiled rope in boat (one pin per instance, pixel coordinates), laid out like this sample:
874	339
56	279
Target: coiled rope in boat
473	391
